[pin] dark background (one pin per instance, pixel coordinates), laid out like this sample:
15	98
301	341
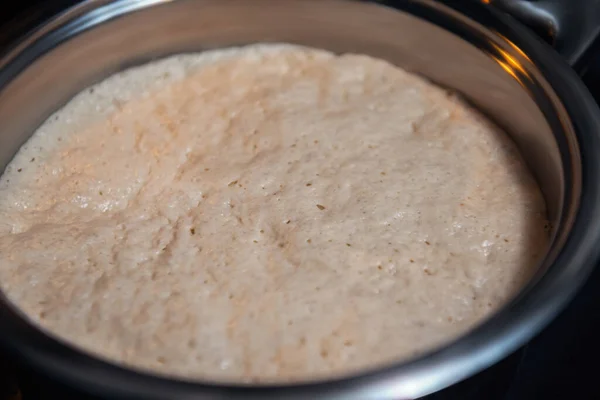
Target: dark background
562	362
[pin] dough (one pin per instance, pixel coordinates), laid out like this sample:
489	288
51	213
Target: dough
266	213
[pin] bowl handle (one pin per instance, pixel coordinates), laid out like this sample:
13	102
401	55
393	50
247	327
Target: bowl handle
570	26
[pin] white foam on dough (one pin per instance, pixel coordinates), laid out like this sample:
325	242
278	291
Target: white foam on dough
266	213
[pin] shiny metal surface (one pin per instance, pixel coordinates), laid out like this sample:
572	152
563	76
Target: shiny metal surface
571	26
518	82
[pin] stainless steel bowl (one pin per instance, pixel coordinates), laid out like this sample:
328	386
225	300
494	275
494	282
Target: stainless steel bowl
495	63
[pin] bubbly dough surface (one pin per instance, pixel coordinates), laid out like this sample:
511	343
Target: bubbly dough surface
266	213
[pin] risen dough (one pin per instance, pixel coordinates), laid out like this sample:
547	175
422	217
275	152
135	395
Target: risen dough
266	213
